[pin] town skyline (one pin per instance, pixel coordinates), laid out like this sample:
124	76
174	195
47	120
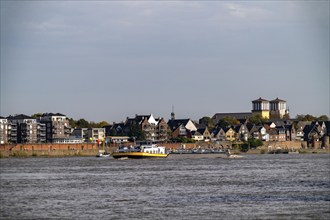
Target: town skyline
108	60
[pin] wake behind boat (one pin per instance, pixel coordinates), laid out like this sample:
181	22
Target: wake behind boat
143	151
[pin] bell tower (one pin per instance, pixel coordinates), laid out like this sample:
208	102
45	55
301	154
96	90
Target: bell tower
172	113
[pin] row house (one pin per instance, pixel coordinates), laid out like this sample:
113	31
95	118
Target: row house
202	134
153	129
182	127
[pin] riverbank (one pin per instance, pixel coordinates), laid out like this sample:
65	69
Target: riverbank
94	152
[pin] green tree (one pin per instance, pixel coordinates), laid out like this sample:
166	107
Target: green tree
323	118
136	131
207	121
82	123
36	115
257	119
228	121
307	117
102	124
72	123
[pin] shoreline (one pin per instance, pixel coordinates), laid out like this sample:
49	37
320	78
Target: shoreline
94	152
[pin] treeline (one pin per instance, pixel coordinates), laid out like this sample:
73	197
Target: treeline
80	123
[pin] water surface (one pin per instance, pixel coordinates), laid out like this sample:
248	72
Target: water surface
178	187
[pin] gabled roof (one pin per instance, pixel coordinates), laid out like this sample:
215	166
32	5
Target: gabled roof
260	100
196	133
202	130
173	124
278	100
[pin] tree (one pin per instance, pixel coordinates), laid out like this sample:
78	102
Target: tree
307	117
136	131
228	121
82	123
207	121
36	116
102	124
323	118
257	119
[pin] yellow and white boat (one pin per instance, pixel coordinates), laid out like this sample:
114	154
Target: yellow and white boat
143	151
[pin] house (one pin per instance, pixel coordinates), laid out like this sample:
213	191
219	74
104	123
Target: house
197	136
154	129
300	131
95	135
254	131
117	139
80	133
181	127
314	131
277	134
230	134
218	134
290	132
242	132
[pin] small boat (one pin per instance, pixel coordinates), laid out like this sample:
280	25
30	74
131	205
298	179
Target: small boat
143	151
103	153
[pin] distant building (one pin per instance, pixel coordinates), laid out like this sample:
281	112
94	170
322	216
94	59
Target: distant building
3	130
270	109
57	126
154	129
261	106
278	108
182	127
25	129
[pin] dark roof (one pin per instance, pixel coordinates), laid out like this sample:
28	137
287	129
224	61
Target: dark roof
260	100
201	130
52	114
20	116
173	124
278	100
2	117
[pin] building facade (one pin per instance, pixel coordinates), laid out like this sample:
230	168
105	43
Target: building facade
3	130
25	129
57	126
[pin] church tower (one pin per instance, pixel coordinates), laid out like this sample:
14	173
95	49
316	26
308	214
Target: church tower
261	106
172	113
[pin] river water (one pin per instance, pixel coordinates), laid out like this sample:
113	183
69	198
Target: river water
178	187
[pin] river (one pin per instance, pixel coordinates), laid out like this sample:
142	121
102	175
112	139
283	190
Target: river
178	187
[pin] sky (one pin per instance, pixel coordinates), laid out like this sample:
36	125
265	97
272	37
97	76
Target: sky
108	60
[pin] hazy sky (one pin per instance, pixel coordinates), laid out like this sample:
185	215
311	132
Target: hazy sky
107	60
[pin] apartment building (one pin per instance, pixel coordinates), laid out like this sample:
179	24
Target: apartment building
3	130
57	126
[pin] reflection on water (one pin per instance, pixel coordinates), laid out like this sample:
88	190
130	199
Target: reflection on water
178	187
